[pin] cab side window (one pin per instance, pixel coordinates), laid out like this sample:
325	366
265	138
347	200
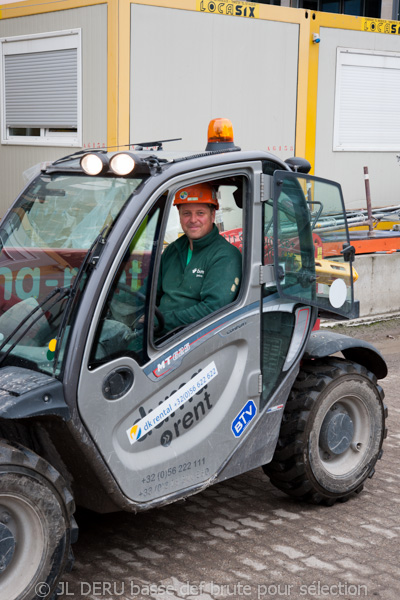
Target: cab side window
228	217
201	262
122	328
171	277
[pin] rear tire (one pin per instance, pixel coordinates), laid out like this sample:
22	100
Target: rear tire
332	432
36	525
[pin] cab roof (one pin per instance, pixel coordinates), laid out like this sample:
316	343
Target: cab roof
153	162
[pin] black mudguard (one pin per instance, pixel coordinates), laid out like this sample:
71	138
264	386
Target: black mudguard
325	343
25	393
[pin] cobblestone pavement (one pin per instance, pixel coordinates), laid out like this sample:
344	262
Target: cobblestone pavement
245	539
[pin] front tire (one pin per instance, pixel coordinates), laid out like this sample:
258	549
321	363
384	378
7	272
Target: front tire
331	434
36	525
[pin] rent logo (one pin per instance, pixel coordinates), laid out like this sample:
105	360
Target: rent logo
240	423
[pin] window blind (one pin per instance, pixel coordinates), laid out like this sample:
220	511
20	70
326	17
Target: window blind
367	109
41	89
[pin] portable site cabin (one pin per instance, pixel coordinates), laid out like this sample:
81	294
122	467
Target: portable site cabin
117	72
89	73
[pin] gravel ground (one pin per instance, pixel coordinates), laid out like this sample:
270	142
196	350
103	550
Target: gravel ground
384	334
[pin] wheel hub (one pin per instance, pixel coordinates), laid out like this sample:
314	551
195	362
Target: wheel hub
336	432
7	547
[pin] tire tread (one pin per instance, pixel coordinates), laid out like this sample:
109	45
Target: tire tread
287	470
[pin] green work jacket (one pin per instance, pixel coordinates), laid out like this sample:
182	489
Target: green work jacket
188	292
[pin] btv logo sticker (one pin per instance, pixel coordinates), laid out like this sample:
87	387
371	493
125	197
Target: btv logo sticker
247	413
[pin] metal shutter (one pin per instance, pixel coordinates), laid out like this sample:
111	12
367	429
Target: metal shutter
41	89
367	109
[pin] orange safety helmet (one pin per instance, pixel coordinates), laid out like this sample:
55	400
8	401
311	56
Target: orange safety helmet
201	193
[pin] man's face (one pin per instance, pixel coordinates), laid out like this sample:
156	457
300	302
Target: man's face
196	220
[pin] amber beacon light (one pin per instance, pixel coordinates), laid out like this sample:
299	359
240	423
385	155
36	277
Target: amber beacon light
220	135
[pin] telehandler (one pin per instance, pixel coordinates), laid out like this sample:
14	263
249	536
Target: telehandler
103	408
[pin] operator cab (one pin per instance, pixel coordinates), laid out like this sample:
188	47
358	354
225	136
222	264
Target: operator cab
57	229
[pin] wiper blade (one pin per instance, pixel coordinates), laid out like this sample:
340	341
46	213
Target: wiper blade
136	146
3	239
76	154
91	258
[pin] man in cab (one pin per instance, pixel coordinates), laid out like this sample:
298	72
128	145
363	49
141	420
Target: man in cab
200	271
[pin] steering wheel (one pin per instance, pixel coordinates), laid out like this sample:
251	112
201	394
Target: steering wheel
134	325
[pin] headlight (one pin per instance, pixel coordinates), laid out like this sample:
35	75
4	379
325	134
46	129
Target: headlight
122	163
94	164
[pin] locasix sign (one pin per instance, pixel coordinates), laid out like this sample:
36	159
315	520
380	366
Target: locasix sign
381	26
233	8
246	415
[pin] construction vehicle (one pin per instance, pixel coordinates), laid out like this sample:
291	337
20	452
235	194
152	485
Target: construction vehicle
102	408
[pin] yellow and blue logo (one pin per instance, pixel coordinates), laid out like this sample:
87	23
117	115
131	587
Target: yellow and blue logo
134	433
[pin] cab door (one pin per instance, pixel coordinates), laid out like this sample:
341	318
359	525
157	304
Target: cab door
168	412
311	248
307	270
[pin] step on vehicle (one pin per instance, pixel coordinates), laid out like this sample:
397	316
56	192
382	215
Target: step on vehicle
100	406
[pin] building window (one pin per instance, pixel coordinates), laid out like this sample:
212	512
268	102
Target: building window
41	89
362	8
367	110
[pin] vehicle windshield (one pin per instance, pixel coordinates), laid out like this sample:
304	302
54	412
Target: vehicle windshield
45	241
